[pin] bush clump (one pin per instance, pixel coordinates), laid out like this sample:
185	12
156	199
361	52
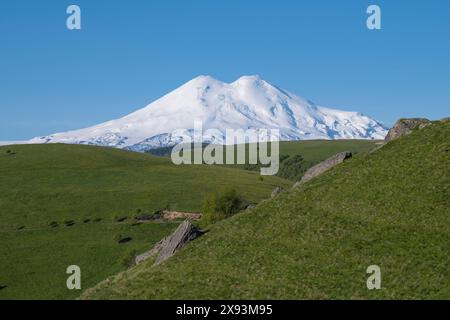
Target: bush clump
293	167
221	205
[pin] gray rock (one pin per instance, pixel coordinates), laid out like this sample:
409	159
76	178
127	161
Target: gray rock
406	126
153	252
167	247
297	184
320	168
277	191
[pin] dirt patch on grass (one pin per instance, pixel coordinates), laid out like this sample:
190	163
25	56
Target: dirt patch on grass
175	215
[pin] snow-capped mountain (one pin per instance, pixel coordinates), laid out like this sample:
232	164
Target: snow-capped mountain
249	102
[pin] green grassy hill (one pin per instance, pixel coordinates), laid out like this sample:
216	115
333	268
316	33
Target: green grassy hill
318	150
292	167
298	156
312	150
83	191
389	208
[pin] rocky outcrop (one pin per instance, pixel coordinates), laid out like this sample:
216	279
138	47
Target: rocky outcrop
405	126
167	247
326	165
185	233
151	253
276	191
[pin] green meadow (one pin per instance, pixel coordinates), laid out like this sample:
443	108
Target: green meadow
61	205
389	207
70	204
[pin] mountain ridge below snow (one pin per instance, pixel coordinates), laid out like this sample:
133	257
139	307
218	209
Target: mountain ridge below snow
247	103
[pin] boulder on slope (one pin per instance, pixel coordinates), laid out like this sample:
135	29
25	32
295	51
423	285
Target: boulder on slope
320	168
167	247
405	126
276	191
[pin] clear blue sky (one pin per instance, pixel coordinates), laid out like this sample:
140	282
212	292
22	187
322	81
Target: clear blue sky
129	53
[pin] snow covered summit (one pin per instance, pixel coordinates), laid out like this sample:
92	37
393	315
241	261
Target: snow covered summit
248	102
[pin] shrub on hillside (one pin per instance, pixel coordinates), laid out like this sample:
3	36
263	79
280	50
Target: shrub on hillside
221	205
293	167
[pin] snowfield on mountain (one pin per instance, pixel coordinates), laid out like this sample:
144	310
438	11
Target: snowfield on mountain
247	103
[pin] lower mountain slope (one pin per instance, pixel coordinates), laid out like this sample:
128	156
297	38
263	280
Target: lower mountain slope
389	208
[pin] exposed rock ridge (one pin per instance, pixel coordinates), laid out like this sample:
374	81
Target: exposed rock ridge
323	166
167	247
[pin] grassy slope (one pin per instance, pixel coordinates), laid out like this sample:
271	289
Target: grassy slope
315	151
390	208
44	183
312	151
56	182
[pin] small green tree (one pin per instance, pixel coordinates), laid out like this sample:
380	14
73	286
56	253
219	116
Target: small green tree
221	205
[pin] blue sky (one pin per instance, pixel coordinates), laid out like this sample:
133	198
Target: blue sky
129	53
